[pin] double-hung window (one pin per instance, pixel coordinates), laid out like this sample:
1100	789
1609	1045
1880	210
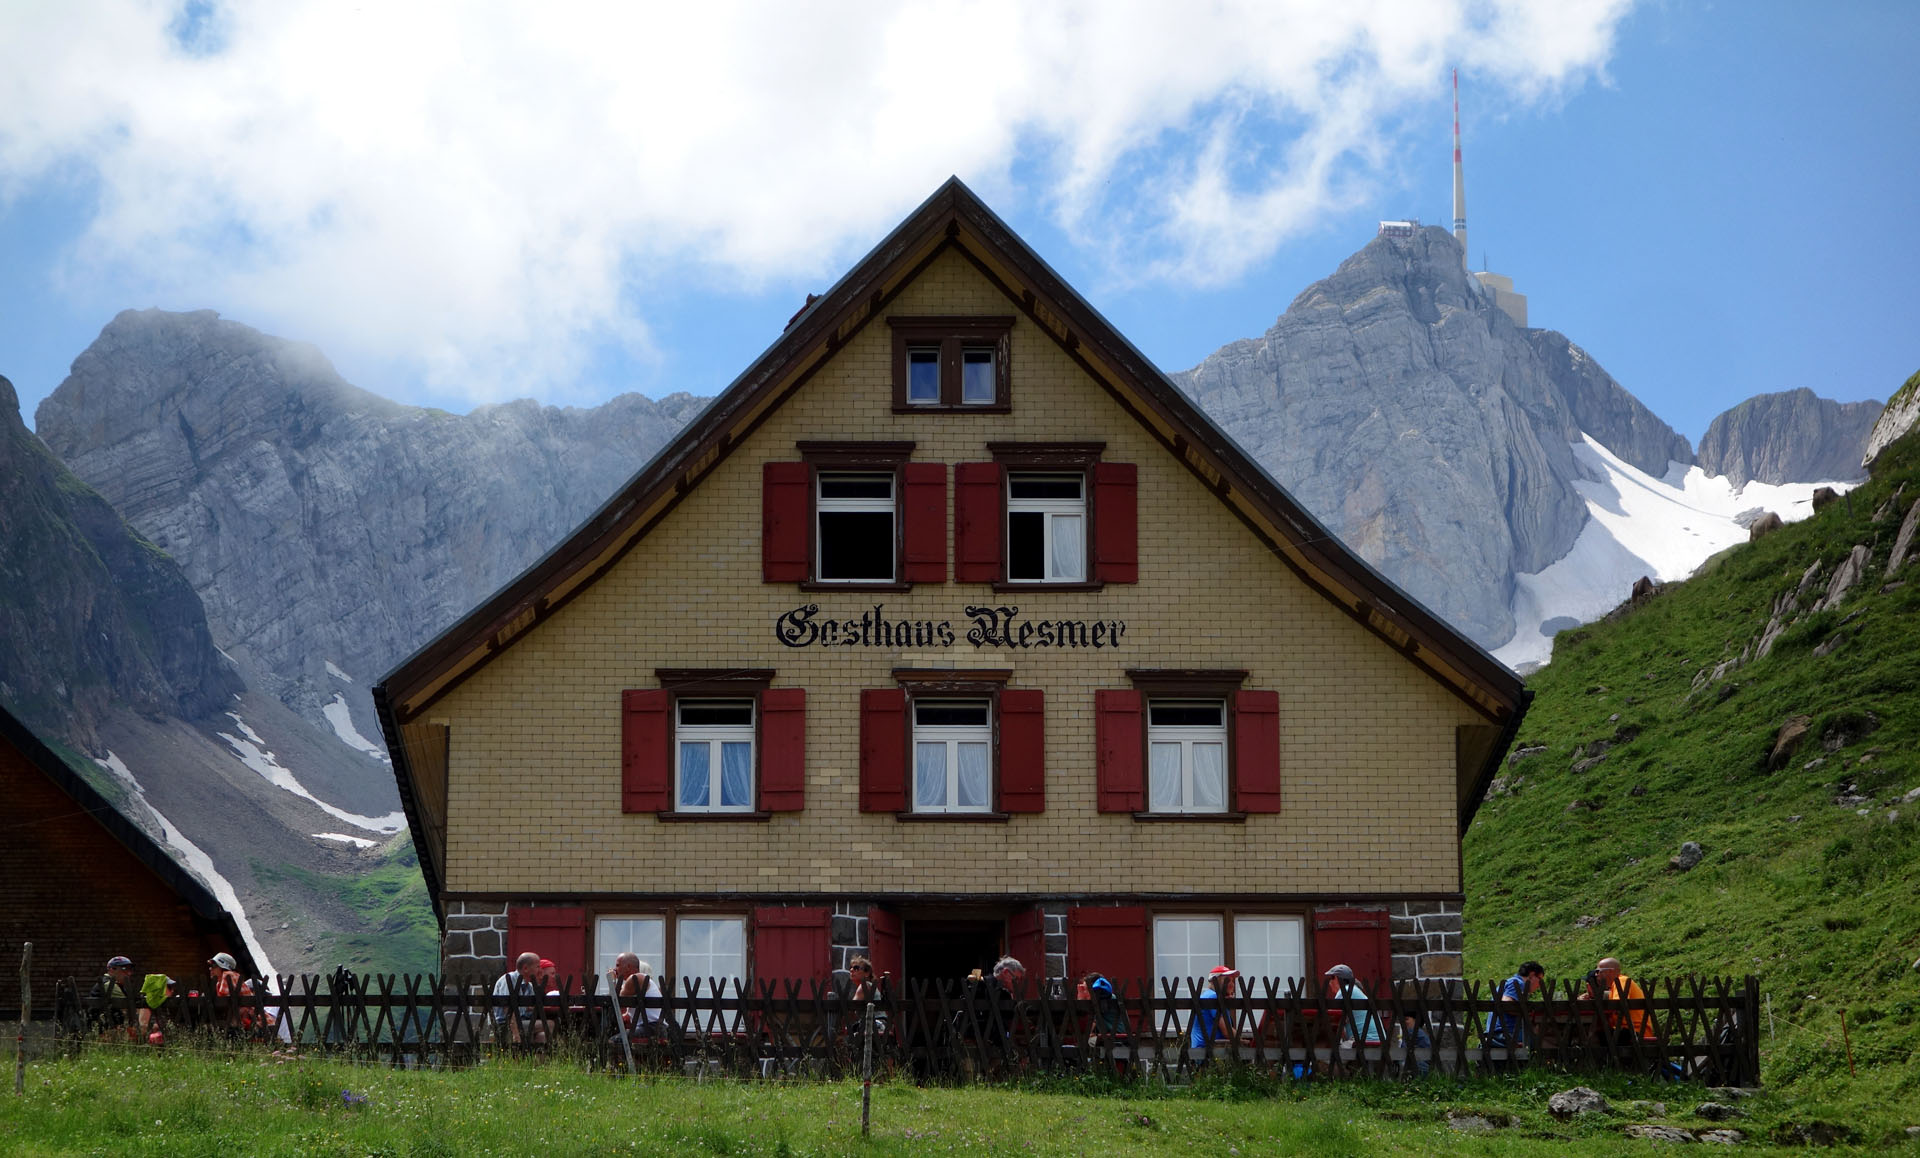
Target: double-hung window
855	534
1046	528
714	764
952	755
1187	755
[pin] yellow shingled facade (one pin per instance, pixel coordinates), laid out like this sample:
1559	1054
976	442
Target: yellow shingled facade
1368	768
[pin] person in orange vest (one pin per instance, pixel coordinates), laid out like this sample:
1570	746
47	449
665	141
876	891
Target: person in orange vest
1607	983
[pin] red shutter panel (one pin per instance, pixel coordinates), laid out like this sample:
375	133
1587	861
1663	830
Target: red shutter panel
1358	939
883	942
791	945
646	764
1116	519
977	507
1027	944
1111	942
1256	750
1023	750
784	505
783	749
924	487
1122	747
557	934
883	750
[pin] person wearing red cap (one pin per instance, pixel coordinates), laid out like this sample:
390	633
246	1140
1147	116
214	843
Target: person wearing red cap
1210	1021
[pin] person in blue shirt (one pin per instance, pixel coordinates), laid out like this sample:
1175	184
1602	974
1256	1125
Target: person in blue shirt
1507	1030
1210	1021
1342	988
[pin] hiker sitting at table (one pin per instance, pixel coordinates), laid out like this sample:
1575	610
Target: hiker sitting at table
522	1023
991	1004
155	991
231	990
1359	1026
1109	1016
1211	1019
1607	983
633	985
111	997
1413	1038
1507	1027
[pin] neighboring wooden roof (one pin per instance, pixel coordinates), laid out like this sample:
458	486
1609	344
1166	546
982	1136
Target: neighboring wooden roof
134	838
953	219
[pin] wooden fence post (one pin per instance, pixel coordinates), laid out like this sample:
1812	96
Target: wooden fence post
26	1011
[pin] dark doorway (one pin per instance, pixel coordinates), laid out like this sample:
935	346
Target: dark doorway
949	950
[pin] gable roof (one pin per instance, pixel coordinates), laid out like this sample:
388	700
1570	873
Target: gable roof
955	220
134	838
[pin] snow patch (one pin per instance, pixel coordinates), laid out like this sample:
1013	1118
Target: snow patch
336	673
355	841
1639	525
254	755
199	863
340	716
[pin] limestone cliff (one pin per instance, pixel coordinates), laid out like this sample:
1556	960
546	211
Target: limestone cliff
328	531
1792	436
1426	429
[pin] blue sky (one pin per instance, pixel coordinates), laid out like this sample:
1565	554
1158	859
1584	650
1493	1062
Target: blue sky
1714	200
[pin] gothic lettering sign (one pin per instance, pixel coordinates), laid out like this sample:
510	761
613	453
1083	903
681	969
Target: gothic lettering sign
804	626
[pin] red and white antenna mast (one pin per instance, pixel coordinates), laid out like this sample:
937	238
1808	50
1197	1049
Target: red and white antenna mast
1459	177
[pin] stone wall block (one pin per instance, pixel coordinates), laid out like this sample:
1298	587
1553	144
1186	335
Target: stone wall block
489	943
1414	945
1440	923
1439	965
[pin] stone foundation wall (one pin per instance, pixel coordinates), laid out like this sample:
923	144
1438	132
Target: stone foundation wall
476	941
1425	940
848	937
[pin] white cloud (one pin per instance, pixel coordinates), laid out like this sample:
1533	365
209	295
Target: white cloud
482	191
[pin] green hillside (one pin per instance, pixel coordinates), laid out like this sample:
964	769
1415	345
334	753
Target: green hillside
1811	870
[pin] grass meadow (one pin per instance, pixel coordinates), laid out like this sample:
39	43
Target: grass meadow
179	1103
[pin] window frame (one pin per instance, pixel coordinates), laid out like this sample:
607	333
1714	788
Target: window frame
942	684
951	736
953	336
1165	684
1049	510
713	684
1048	458
716	737
1187	736
840	458
1229	917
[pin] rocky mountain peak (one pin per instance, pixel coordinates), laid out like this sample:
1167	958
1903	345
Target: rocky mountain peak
1791	436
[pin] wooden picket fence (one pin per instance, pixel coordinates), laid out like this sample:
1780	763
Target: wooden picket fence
1691	1028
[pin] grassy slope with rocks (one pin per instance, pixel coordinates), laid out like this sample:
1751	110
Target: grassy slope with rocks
388	904
1811	869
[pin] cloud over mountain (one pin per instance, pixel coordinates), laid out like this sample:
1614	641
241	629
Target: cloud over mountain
488	195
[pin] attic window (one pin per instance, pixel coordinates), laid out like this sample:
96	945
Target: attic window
956	363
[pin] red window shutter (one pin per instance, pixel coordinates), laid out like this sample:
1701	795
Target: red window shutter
977	526
791	945
883	943
557	934
783	749
646	763
785	503
1027	944
1358	939
1023	750
883	750
1256	750
1116	522
1122	750
924	488
1112	942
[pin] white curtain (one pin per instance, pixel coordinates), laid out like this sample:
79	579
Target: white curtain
973	776
696	775
929	775
1069	548
736	775
1164	777
1210	777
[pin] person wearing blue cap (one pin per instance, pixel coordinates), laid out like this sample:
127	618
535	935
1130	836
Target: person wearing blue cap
112	996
